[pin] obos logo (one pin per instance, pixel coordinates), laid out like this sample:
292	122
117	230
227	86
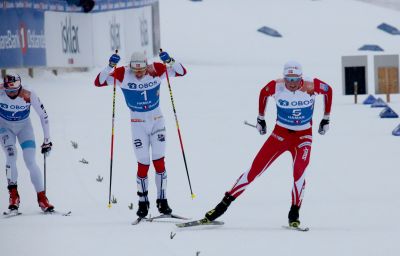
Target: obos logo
69	36
144	33
283	103
114	34
286	103
2	105
141	86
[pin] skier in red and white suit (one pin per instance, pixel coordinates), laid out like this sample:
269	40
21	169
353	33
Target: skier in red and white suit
295	98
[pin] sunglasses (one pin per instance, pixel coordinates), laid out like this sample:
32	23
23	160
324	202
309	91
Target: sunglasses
11	90
293	78
9	87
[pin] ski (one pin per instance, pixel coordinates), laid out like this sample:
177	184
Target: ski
57	213
167	216
11	213
17	213
296	228
138	220
201	222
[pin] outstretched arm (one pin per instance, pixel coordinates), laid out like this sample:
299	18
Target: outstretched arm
159	69
106	76
323	88
265	92
44	118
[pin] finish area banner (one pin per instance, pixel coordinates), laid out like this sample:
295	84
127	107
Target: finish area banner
22	40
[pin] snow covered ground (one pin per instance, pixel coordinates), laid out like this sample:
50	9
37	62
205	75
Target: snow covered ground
392	4
351	203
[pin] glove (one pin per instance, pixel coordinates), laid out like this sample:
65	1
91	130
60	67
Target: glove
261	125
164	56
323	126
46	148
114	59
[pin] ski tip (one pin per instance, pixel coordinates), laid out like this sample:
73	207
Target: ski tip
138	220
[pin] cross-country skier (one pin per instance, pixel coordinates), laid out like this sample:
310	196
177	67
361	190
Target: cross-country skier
294	97
15	123
140	83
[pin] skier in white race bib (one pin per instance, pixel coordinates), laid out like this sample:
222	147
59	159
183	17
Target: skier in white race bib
15	123
140	83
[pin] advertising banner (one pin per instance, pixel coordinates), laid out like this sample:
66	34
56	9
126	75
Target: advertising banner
126	30
52	34
108	36
139	30
22	40
69	39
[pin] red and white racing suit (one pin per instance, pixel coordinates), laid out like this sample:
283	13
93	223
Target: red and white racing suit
292	132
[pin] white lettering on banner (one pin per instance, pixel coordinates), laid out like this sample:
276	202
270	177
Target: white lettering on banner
10	40
69	34
144	34
19	4
103	6
41	6
36	41
115	34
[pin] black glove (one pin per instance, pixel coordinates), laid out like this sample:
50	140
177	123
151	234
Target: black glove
323	126
46	148
261	125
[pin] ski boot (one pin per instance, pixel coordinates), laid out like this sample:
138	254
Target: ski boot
143	209
163	207
220	208
294	216
14	198
44	202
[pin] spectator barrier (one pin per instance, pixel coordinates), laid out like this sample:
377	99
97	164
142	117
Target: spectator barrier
57	35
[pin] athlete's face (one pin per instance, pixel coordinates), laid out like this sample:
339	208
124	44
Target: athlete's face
11	90
139	73
293	82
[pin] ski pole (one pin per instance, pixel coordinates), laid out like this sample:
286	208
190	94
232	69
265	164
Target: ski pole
44	171
112	136
179	131
249	124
